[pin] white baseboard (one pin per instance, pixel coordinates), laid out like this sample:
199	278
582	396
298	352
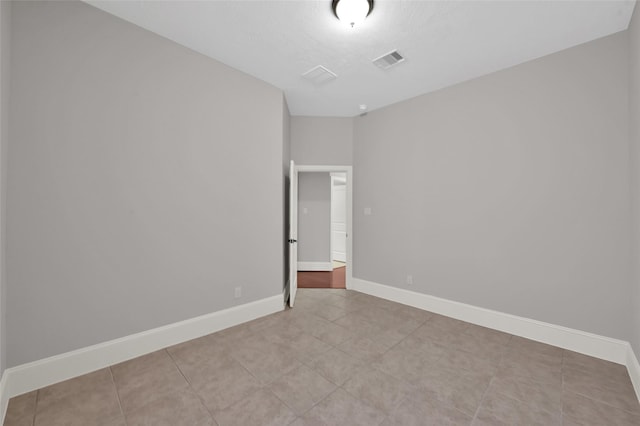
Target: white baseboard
315	266
578	341
633	367
4	397
35	375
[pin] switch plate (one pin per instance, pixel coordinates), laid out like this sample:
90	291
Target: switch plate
305	210
409	279
367	211
238	292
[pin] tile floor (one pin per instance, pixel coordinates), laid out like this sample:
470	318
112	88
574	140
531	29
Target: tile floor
343	358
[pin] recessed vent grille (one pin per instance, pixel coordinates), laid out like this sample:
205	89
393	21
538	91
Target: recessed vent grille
388	60
319	75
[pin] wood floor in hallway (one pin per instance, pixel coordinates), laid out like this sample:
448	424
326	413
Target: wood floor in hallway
323	279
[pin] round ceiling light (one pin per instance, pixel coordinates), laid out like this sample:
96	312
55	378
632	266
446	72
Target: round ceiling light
352	12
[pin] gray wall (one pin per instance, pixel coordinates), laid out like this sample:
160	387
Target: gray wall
634	141
144	179
322	141
5	46
509	192
314	194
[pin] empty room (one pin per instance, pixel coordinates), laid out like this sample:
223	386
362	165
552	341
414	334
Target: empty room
319	212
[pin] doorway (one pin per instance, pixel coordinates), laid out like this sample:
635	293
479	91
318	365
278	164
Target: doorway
306	273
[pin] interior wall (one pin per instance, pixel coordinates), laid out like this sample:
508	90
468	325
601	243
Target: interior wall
144	179
508	192
5	47
634	141
314	217
322	141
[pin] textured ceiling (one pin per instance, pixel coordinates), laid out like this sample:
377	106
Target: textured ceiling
444	42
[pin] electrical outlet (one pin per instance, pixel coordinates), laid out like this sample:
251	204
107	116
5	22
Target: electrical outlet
409	279
238	292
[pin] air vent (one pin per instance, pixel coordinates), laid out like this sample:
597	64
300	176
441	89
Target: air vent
388	60
319	75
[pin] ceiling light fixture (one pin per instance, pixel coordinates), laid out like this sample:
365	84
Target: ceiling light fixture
352	12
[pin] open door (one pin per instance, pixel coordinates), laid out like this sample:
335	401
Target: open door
293	233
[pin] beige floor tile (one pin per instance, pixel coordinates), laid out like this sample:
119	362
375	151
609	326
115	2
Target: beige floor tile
615	392
594	366
363	348
534	366
265	360
425	412
480	346
378	389
359	325
100	380
21	410
327	331
501	410
305	346
455	358
153	361
176	409
329	312
222	385
143	387
261	408
98	407
440	329
407	365
340	408
342	357
587	412
199	350
542	396
301	389
535	349
463	390
336	366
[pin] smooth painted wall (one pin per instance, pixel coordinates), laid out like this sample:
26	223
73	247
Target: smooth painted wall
508	192
634	142
5	86
144	179
322	141
314	226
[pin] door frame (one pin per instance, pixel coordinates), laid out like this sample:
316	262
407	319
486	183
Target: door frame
349	207
333	178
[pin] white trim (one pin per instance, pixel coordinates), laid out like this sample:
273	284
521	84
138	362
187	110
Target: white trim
4	397
35	375
633	367
349	171
285	292
579	341
315	266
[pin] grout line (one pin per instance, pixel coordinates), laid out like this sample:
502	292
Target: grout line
35	408
113	380
191	387
484	395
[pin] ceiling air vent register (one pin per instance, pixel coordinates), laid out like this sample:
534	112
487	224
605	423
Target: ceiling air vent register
388	60
319	75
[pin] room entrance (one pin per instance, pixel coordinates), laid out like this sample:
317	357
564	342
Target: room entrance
320	224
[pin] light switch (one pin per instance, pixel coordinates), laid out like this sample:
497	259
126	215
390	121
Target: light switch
367	211
305	210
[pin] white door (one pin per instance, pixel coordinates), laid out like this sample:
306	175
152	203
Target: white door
293	233
338	221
